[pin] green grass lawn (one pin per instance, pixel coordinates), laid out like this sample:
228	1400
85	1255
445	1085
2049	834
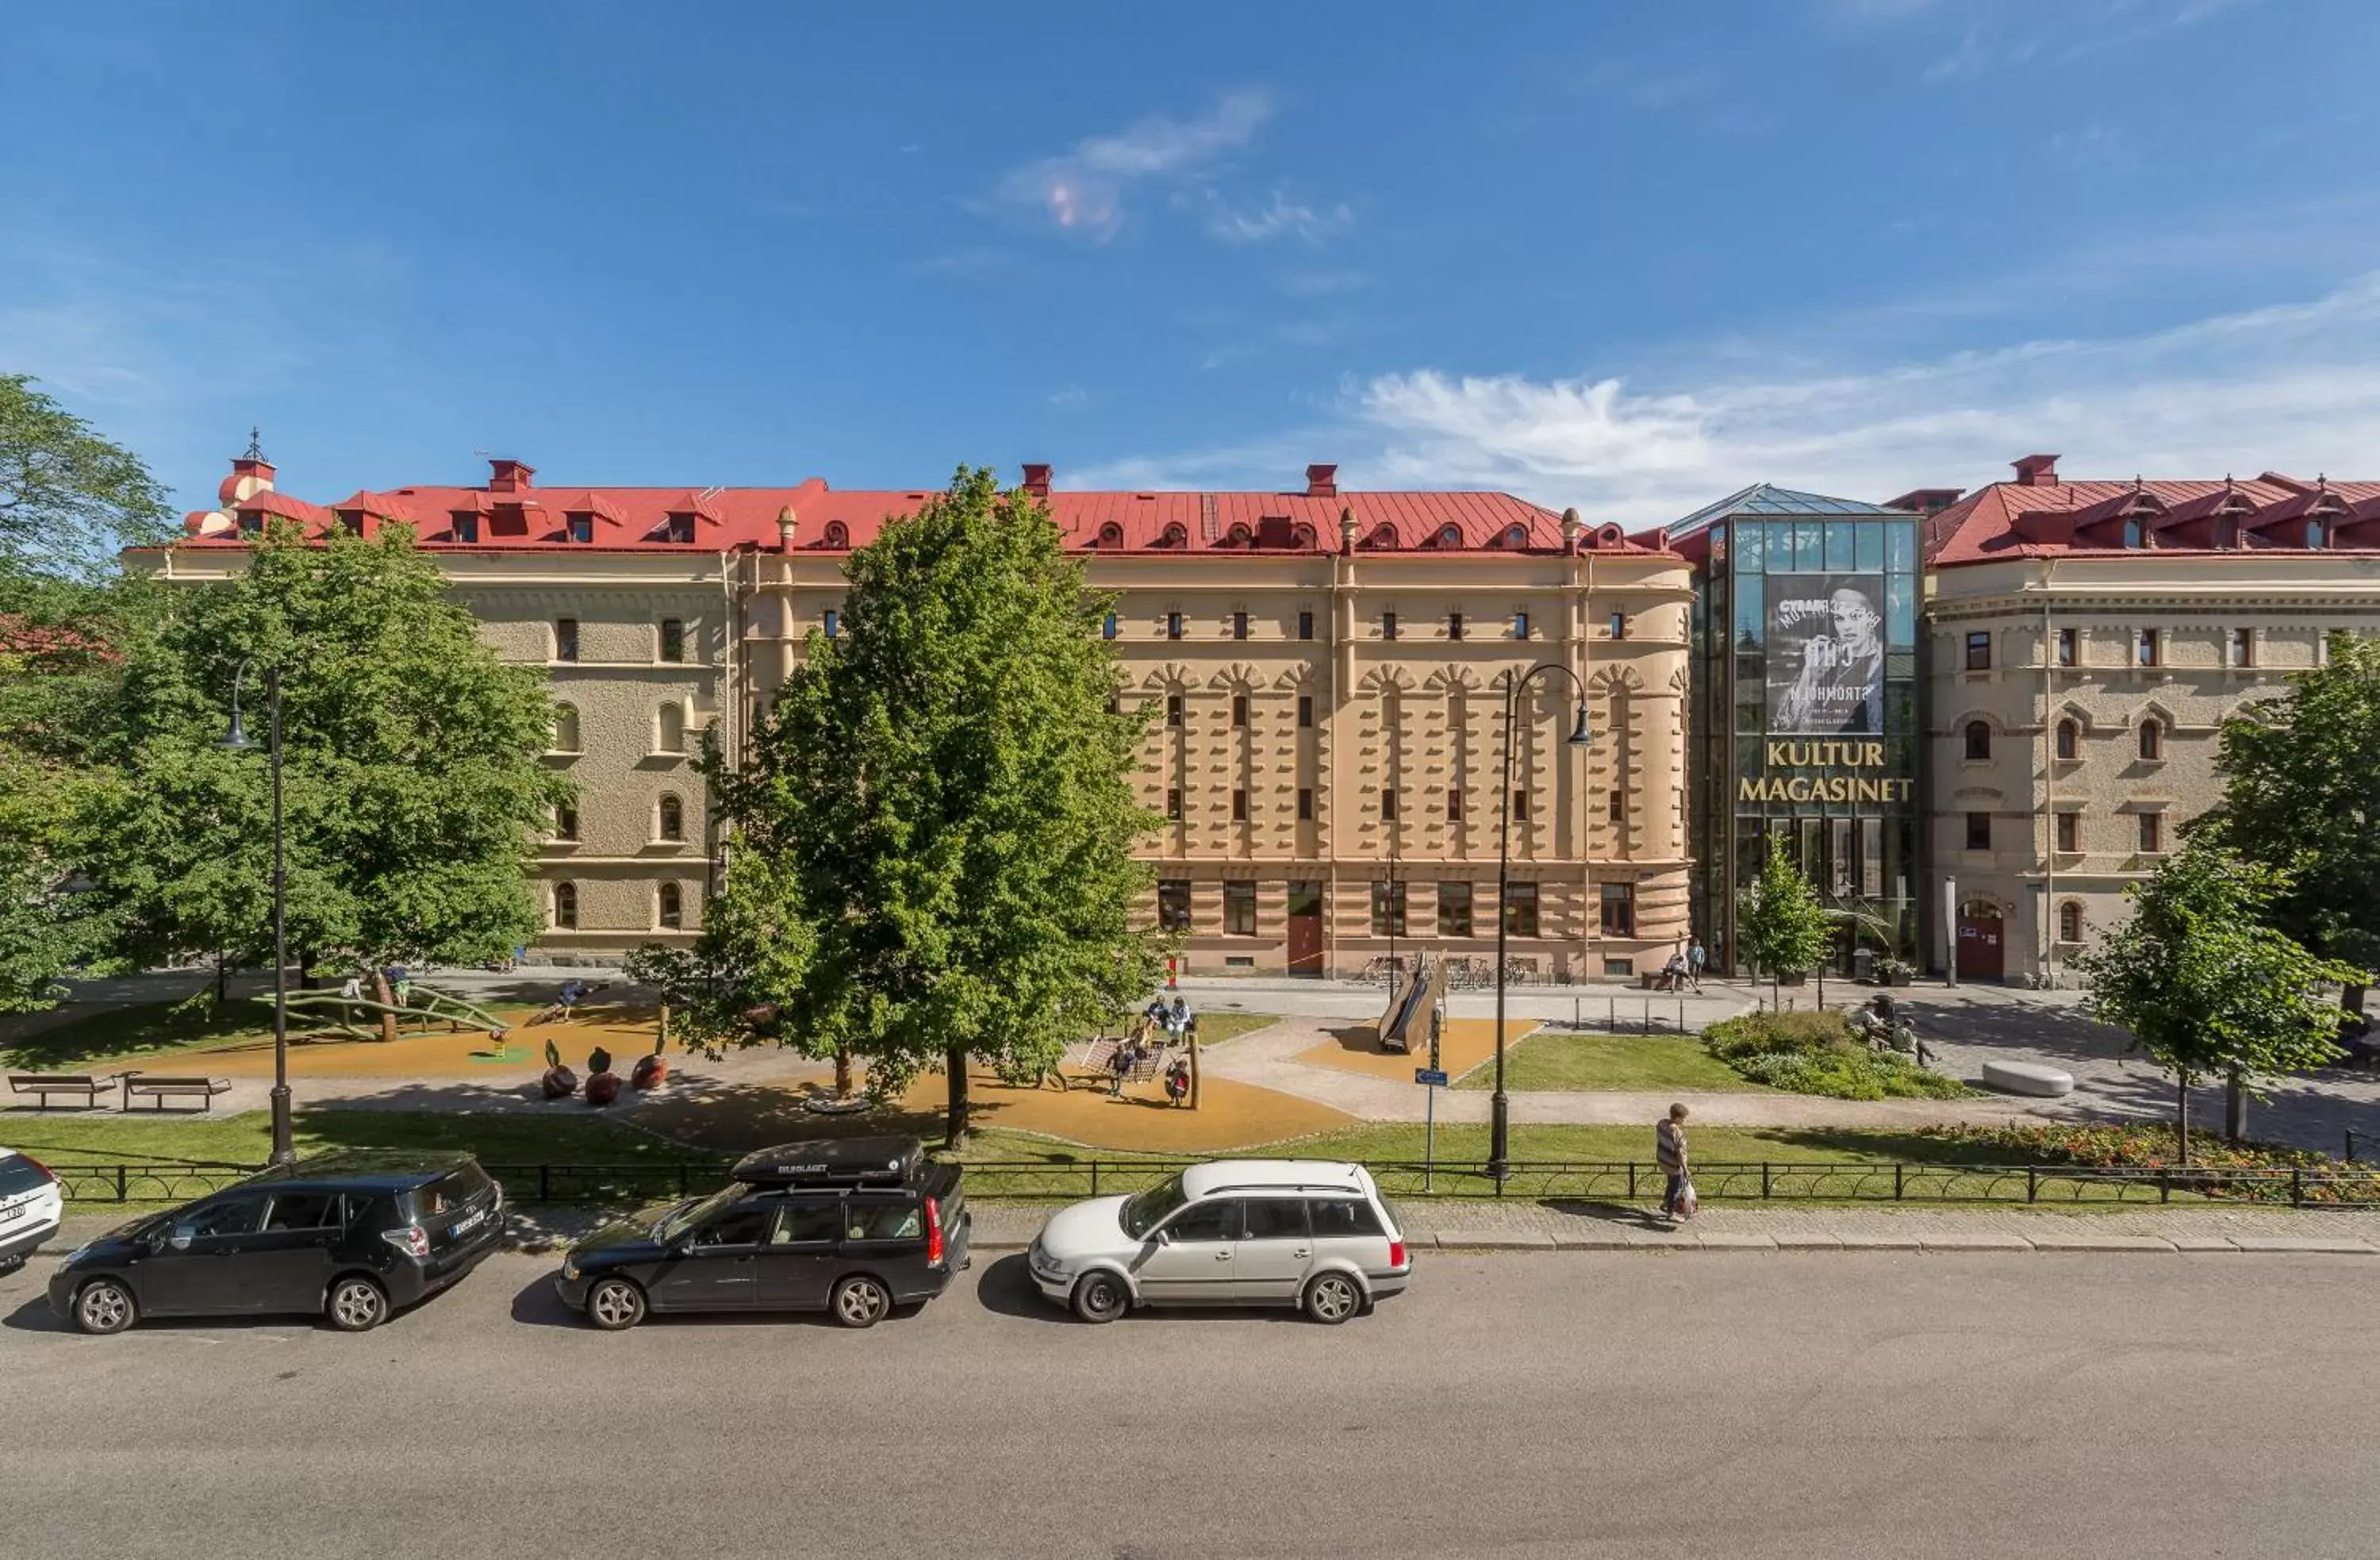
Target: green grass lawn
246	1139
1214	1029
1551	1059
128	1034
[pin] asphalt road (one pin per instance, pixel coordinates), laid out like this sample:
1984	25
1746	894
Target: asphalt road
1573	1405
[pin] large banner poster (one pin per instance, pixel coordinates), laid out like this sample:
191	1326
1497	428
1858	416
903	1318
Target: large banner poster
1825	654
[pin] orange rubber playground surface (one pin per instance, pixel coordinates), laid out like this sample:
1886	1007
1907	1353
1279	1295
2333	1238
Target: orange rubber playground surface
445	1057
1464	1045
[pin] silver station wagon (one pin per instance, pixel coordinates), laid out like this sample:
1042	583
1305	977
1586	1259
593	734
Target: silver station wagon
1279	1232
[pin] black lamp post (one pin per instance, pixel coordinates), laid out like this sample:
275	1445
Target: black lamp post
1499	1158
284	1150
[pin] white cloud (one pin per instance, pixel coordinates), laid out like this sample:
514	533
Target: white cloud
2293	387
1066	398
1083	188
1280	217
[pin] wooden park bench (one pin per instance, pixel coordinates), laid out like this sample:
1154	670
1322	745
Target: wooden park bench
91	1086
149	1086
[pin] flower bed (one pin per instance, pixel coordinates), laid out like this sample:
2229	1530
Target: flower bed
2259	1172
1817	1053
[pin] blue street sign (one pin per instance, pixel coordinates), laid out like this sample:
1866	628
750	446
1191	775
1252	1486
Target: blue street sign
1429	1076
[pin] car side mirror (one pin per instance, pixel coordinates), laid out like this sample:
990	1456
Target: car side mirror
179	1240
1164	1237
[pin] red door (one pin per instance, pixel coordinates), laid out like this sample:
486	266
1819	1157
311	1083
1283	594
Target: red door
1306	929
1982	951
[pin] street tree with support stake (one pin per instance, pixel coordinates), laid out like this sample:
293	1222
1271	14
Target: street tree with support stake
1782	928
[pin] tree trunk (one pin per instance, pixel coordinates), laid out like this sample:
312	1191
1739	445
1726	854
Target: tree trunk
2181	1118
661	1037
2351	998
1194	1069
223	980
2235	1109
305	971
954	1129
388	999
843	1072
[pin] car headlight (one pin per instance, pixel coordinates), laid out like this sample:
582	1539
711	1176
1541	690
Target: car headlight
570	1269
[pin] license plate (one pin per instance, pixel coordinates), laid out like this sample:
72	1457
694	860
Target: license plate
465	1227
15	1213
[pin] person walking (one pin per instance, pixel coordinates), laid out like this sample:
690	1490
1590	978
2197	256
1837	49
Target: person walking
1669	1148
1695	960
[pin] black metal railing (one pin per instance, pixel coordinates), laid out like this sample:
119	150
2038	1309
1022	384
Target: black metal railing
2341	1185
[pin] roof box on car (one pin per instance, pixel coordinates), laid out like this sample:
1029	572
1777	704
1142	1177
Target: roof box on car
833	1162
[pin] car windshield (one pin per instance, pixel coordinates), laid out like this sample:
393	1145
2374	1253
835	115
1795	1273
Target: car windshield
1144	1210
677	1221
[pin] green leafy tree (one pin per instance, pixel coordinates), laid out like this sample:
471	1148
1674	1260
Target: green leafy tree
414	785
941	798
69	498
1781	927
2206	987
2302	795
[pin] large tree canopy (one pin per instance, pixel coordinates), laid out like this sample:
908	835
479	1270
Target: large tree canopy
415	784
2302	794
934	828
69	498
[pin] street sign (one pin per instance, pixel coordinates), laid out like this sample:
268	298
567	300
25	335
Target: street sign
1431	1076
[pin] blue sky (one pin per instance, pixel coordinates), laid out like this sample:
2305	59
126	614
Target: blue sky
1626	257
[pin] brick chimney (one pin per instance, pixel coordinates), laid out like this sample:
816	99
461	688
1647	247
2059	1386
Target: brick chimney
509	476
2037	471
1037	480
1322	481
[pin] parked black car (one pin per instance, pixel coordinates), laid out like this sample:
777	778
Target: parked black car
853	1226
349	1235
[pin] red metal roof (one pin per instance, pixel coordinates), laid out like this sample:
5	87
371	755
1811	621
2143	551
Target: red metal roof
828	519
2019	520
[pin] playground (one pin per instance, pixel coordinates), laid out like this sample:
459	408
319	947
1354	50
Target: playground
1464	1044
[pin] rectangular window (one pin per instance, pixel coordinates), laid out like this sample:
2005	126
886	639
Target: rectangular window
1108	626
1619	909
1173	716
1520	806
1979	651
1387	909
580	528
466	528
673	640
1454	807
1387	625
1979	831
678	529
2152	833
834	623
566	821
1454	909
1454	625
1305	624
2070	831
2243	647
2144	648
1304	804
1520	624
566	639
1618	625
2068	647
1173	802
1173	624
1239	624
1239	708
1305	712
1239	806
1239	909
1173	905
1389	806
1616	806
1520	909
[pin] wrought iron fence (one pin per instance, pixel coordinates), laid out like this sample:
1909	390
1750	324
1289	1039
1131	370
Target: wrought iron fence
2342	1185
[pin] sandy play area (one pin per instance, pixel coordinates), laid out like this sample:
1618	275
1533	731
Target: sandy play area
1465	1044
625	1033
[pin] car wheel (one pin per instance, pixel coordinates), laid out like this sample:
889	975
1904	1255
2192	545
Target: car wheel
104	1306
356	1305
615	1304
1100	1297
861	1301
1333	1298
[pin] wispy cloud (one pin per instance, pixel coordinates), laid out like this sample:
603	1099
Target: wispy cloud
1083	190
1281	218
1067	398
2289	387
2021	32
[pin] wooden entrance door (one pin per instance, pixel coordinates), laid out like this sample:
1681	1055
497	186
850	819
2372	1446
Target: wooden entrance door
1306	929
1983	948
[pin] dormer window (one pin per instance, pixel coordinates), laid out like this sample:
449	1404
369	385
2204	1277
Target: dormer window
578	528
1449	536
2315	535
838	535
1518	536
466	527
1110	535
2133	533
352	522
251	522
678	529
2227	533
1174	536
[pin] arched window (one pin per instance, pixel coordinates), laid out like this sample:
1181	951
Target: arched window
1979	739
1238	536
1517	536
1174	536
2070	922
565	907
1449	536
1110	535
669	735
672	906
673	819
1301	535
838	535
2070	739
2315	535
566	729
2152	738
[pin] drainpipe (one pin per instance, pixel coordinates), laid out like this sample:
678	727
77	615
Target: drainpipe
2048	780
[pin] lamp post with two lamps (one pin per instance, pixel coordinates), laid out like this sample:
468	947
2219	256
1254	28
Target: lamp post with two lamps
1499	1158
284	1150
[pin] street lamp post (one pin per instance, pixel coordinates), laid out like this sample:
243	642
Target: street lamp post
284	1150
1499	1158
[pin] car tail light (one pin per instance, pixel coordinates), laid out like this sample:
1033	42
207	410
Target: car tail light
38	1166
933	1232
1397	1253
413	1240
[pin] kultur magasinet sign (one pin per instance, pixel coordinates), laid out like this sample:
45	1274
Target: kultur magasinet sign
1798	754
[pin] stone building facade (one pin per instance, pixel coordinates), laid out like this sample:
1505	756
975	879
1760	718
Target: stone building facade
1329	747
2086	642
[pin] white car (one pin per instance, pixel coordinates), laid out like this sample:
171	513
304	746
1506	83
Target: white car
1304	1232
30	1207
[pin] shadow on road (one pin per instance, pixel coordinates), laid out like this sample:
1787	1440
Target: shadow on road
34	1316
1007	1289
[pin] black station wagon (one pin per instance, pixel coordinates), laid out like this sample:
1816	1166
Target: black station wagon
853	1227
349	1237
